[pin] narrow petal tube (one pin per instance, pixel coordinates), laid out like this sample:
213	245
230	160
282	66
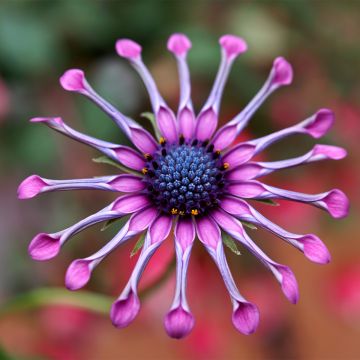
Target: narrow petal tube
79	272
123	154
46	246
282	273
34	184
206	123
253	170
312	247
179	321
165	118
127	306
334	201
281	74
179	45
74	80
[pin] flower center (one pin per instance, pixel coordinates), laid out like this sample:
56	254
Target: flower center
185	179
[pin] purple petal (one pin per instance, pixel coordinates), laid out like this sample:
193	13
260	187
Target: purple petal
44	247
128	49
315	250
246	318
289	284
247	171
239	154
127	183
78	274
130	203
73	80
224	137
143	140
235	206
233	45
185	233
186	123
130	158
124	311
321	123
178	323
142	219
283	73
337	203
160	228
329	152
206	125
246	189
208	232
31	187
167	124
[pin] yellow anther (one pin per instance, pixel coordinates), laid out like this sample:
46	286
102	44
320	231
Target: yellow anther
194	212
162	141
226	165
174	211
144	171
182	212
148	156
217	152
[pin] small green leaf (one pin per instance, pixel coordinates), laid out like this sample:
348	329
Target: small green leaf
151	117
230	243
268	202
105	160
120	220
139	244
249	225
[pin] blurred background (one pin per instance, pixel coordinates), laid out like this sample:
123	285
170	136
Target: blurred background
41	39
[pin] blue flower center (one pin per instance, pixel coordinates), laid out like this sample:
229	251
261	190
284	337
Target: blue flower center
185	179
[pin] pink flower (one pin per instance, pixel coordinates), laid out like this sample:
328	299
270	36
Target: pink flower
195	176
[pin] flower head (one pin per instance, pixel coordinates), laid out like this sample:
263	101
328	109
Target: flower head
192	175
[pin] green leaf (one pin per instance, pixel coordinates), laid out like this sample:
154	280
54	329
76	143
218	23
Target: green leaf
230	243
139	244
268	202
121	221
105	160
249	225
151	117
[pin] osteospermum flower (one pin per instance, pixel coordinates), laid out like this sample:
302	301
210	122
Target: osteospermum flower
192	177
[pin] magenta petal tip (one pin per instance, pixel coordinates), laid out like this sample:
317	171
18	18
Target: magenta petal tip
289	284
30	187
179	44
233	45
44	247
337	204
77	275
322	122
331	152
178	323
123	312
73	80
246	318
315	250
128	49
283	72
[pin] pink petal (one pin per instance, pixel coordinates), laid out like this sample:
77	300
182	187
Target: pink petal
128	49
224	137
167	125
322	122
179	44
315	250
234	206
186	123
123	312
246	189
178	323
289	284
246	171
206	125
246	318
31	187
337	203
233	45
44	247
239	154
130	203
331	152
127	183
283	72
185	232
77	275
160	228
208	232
130	158
73	80
143	140
142	219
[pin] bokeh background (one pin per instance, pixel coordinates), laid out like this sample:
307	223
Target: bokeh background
41	39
